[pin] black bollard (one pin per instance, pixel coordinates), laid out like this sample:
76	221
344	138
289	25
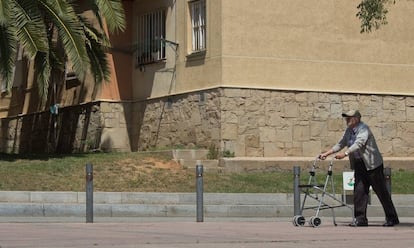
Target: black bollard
89	193
296	191
387	176
199	186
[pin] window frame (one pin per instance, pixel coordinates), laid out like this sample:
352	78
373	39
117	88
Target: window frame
198	25
151	31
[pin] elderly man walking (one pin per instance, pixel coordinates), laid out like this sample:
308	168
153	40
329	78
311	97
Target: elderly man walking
367	162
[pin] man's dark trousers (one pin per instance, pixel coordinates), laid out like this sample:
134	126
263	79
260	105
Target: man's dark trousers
363	180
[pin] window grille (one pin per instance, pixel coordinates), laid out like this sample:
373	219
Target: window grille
198	24
151	35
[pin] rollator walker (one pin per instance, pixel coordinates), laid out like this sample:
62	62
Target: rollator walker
320	194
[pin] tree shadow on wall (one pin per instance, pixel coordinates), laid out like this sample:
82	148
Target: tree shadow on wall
107	145
74	129
136	120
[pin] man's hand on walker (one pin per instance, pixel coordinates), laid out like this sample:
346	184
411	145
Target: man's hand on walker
340	155
323	156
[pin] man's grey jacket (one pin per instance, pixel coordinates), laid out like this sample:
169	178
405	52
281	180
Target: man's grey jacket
364	146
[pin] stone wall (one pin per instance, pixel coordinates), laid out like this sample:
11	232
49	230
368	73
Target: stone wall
248	122
115	120
95	126
276	123
188	120
267	123
73	129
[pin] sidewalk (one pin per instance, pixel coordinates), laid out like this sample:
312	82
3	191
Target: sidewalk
214	232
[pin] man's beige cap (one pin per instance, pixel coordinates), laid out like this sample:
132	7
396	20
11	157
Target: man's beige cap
352	113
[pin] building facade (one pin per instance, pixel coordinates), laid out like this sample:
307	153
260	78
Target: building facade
256	78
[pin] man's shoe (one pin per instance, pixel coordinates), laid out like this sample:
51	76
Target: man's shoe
358	223
391	223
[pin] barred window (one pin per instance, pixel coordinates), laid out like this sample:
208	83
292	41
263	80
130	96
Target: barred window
198	24
150	37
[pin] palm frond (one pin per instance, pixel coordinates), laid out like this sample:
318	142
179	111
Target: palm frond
52	33
92	33
30	28
96	47
43	70
99	62
70	33
5	8
113	12
8	50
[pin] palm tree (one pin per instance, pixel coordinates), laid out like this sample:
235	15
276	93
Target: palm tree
53	32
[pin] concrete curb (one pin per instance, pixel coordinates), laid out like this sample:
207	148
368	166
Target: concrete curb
132	204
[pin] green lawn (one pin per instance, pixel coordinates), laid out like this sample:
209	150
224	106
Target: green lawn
143	172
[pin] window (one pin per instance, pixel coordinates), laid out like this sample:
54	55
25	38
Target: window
151	35
198	24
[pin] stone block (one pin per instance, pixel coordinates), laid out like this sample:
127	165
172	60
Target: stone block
336	109
64	210
386	147
21	210
267	134
231	116
107	198
318	129
409	101
235	92
240	147
180	210
293	151
335	125
393	103
142	210
214	133
190	154
52	197
15	196
410	113
255	105
290	110
115	139
254	152
311	148
100	210
322	111
272	149
301	133
105	107
274	119
149	198
229	131
284	135
301	97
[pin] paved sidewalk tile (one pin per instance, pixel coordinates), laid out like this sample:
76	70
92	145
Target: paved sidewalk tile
213	233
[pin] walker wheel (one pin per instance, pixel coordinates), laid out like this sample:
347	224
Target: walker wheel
315	221
299	220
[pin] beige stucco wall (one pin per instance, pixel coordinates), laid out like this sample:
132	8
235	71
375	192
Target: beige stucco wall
199	72
316	45
312	45
181	71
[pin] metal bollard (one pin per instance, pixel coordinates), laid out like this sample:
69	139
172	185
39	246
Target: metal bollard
89	193
387	176
296	191
199	186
